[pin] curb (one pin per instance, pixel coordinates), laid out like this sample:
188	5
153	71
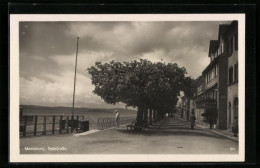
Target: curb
86	133
234	139
229	137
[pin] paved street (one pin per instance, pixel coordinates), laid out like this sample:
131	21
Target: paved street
173	136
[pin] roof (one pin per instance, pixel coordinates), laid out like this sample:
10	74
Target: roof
199	80
222	29
212	63
213	44
232	28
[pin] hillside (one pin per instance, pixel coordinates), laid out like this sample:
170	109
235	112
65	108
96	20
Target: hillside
31	109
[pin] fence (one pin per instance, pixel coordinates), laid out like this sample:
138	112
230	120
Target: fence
43	125
104	123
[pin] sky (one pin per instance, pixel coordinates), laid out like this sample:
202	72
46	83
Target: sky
47	52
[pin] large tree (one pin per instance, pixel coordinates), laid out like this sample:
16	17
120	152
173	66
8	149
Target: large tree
140	84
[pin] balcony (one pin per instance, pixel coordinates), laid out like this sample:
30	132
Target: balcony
211	83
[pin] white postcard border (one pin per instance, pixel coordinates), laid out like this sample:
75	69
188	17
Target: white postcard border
14	146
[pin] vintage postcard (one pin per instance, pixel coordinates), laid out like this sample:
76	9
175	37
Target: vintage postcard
127	88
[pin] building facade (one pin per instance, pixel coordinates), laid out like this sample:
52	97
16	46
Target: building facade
232	100
184	108
199	96
218	96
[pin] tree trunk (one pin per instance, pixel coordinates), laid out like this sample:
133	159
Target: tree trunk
139	117
155	116
158	118
145	116
150	116
188	109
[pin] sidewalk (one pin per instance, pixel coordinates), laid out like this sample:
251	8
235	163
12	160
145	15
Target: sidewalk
225	133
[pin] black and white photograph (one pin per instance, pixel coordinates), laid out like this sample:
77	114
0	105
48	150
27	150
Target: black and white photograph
127	88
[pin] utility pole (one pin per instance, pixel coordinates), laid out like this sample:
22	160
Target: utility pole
75	76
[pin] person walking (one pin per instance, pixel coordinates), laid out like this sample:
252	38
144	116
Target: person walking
192	119
117	118
235	127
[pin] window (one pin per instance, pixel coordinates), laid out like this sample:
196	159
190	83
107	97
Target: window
236	41
230	75
236	72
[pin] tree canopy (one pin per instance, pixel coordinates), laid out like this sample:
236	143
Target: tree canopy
141	84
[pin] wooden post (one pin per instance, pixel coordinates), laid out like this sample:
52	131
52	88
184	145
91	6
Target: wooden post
67	124
35	125
24	128
60	124
77	124
44	125
53	124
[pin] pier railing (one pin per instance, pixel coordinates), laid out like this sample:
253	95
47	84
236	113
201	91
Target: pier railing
104	123
43	125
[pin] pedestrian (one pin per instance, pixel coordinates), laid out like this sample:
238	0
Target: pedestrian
235	127
192	119
117	118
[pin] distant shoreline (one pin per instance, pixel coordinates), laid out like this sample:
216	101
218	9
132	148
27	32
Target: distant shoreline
44	109
38	106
